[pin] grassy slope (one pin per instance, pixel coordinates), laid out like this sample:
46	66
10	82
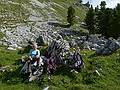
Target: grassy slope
15	12
108	66
85	80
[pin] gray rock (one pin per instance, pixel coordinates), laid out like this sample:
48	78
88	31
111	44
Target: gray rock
93	39
1	42
5	43
72	43
5	68
118	39
110	46
14	45
86	45
11	48
94	47
46	88
114	46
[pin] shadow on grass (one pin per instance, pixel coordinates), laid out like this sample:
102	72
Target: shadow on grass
25	50
65	71
13	76
93	55
17	62
55	24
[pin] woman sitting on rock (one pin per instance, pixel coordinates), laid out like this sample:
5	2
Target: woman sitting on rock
33	59
34	54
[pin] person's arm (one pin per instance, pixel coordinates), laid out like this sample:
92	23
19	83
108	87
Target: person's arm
29	55
38	54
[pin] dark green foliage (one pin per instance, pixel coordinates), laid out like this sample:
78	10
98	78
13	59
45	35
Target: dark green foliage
71	16
101	18
97	9
43	50
1	35
103	4
25	49
115	32
108	21
80	1
87	4
90	20
105	21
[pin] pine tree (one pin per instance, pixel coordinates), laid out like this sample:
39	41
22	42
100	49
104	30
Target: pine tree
105	21
108	21
80	1
116	23
71	16
97	9
90	20
103	4
96	18
101	18
87	4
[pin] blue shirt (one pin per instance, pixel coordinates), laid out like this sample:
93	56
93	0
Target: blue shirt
34	53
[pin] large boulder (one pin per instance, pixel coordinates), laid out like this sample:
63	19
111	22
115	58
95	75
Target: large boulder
93	39
86	45
58	47
111	46
118	39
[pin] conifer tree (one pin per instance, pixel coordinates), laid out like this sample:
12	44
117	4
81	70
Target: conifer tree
71	16
87	4
105	21
90	20
101	18
116	23
108	22
80	1
97	9
103	5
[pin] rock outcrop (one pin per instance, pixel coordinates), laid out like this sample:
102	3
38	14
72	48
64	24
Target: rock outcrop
110	46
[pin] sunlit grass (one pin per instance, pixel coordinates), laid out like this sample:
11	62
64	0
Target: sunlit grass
86	79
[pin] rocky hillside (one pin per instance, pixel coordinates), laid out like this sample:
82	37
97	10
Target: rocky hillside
14	12
24	20
44	21
36	20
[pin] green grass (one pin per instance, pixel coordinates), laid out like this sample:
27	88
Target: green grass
1	35
8	57
12	13
15	12
86	79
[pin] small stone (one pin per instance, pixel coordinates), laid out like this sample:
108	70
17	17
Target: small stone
97	72
11	69
5	44
46	88
11	48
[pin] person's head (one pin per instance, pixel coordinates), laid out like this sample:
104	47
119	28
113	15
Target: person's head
34	46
